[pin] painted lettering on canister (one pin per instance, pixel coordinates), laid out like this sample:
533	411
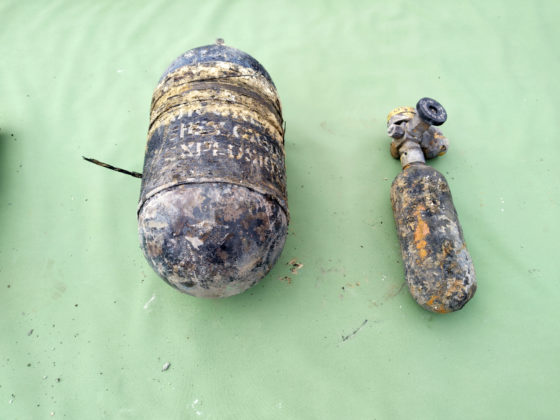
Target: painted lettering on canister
213	213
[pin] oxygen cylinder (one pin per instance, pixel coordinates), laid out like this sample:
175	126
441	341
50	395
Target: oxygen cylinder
438	267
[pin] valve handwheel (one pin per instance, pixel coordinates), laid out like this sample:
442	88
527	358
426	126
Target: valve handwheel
431	111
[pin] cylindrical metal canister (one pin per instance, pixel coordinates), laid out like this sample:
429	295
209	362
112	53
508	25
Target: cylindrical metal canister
213	213
438	268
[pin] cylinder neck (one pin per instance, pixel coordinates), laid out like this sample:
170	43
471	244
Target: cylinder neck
411	152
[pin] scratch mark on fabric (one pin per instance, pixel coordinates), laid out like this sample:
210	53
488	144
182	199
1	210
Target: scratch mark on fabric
353	333
148	303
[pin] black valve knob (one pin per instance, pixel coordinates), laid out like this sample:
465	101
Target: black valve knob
431	111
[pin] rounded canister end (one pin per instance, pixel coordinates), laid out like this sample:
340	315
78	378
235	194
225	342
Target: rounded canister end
211	240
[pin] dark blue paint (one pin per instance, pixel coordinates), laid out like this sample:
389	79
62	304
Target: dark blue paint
214	53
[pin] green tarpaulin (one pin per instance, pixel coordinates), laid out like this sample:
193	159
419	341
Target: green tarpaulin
87	326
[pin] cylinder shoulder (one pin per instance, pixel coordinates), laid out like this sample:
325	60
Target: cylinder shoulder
217	53
418	183
419	171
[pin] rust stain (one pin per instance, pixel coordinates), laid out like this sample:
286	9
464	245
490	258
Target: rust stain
436	307
420	233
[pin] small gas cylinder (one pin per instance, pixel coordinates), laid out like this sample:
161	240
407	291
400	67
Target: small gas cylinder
213	213
438	268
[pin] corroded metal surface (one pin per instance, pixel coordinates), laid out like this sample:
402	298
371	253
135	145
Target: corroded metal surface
438	268
412	136
212	240
213	208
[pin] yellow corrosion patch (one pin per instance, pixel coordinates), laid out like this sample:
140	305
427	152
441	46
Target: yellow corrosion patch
222	98
214	71
241	93
205	91
406	111
223	71
436	307
232	111
420	233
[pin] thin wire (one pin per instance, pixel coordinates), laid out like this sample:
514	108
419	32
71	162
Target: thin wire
113	168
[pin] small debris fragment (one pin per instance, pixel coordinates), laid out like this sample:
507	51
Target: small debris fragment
286	278
165	366
295	265
30	332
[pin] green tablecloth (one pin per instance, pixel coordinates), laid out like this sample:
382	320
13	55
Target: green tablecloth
87	326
